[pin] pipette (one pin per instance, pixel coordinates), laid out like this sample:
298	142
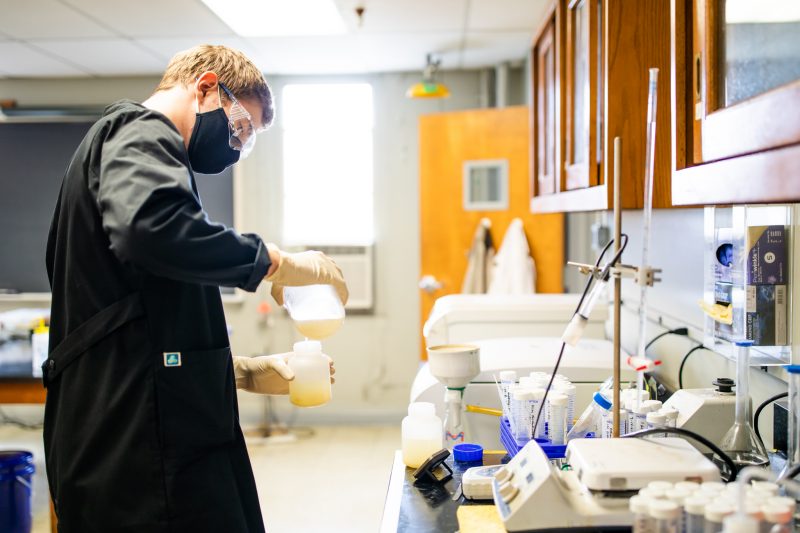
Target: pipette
652	101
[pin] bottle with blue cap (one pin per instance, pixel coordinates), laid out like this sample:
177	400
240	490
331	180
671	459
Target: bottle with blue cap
592	418
741	443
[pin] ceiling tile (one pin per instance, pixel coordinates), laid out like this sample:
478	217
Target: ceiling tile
106	57
406	16
20	60
490	48
168	47
47	19
505	15
155	18
404	52
306	55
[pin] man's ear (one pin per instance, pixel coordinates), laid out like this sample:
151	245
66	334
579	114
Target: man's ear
206	87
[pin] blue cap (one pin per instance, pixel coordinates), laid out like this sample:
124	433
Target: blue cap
792	369
601	401
744	342
466	453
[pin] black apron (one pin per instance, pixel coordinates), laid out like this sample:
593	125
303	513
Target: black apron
141	427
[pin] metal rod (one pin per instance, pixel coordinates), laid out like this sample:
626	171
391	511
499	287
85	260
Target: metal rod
617	281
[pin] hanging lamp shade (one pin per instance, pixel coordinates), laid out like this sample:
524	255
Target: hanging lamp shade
429	87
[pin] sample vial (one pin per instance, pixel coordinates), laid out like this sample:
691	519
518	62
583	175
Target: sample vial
715	515
421	434
778	517
639	506
507	381
694	509
311	385
656	420
557	408
671	415
564	386
666	516
535	399
520	414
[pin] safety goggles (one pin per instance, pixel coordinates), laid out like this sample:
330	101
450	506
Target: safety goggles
242	133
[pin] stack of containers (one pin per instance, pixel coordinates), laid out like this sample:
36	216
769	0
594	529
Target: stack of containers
702	508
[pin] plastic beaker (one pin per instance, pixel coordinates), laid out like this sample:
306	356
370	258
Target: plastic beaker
316	310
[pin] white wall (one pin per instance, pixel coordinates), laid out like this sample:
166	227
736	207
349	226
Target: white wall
376	355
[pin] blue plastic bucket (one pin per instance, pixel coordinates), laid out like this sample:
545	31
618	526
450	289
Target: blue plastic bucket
16	491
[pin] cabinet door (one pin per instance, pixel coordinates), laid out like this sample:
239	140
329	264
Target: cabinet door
746	76
583	93
545	83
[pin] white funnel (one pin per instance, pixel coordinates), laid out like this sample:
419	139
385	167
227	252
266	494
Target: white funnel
454	364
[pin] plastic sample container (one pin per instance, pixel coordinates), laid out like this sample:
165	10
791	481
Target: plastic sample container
311	386
16	491
316	310
420	433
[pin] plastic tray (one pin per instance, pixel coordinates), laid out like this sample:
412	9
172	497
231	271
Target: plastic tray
513	446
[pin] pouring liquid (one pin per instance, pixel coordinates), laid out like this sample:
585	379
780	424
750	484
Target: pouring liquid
318	329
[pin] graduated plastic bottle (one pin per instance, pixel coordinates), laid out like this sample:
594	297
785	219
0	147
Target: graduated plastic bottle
535	399
591	419
564	386
421	433
520	414
557	418
507	380
311	386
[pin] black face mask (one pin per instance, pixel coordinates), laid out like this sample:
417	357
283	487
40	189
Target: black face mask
209	151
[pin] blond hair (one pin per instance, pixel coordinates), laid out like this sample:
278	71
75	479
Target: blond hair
232	67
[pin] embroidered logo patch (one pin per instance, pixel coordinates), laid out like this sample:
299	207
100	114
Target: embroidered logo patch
172	358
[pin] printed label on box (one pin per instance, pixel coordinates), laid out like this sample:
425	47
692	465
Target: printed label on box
766	315
766	255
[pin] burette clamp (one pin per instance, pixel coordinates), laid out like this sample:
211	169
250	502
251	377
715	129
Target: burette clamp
641	275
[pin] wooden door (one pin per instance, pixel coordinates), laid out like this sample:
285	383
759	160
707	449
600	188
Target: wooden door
447	141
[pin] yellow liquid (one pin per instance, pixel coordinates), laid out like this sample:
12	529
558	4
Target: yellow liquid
309	394
416	451
318	329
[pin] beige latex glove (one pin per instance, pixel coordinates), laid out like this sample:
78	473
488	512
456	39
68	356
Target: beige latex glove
304	268
266	374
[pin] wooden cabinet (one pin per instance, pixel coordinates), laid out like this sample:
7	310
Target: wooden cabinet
736	111
603	50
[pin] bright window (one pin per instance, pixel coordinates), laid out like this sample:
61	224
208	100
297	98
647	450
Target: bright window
327	164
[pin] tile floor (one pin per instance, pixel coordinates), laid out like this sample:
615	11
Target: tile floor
309	484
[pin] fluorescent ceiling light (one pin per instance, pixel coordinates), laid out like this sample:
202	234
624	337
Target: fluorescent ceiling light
267	18
763	11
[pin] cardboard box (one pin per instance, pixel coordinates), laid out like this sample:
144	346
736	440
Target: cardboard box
766	312
766	255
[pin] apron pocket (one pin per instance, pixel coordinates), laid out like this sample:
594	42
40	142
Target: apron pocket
196	400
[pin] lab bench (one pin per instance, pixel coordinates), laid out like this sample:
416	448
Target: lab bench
427	508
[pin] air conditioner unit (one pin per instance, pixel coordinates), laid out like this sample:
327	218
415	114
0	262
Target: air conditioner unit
357	268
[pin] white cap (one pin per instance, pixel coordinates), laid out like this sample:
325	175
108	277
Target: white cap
519	393
691	486
766	486
660	485
652	405
526	381
777	513
652	493
307	348
717	511
737	523
664	509
716	486
536	394
558	399
696	505
421	409
669	412
508	375
677	495
783	500
656	418
564	386
639	505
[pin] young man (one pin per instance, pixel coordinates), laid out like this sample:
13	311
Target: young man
141	424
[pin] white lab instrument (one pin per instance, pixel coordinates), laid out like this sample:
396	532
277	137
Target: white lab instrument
709	412
420	434
458	318
476	483
531	494
586	365
311	386
793	439
454	366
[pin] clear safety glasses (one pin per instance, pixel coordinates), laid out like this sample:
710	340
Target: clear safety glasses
242	133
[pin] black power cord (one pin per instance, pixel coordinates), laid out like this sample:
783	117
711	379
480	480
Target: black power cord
695	436
677	331
761	408
604	274
683	363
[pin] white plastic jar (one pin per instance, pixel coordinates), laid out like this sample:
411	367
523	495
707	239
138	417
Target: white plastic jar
420	433
311	386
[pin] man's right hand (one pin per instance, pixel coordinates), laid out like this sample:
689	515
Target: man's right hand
304	268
